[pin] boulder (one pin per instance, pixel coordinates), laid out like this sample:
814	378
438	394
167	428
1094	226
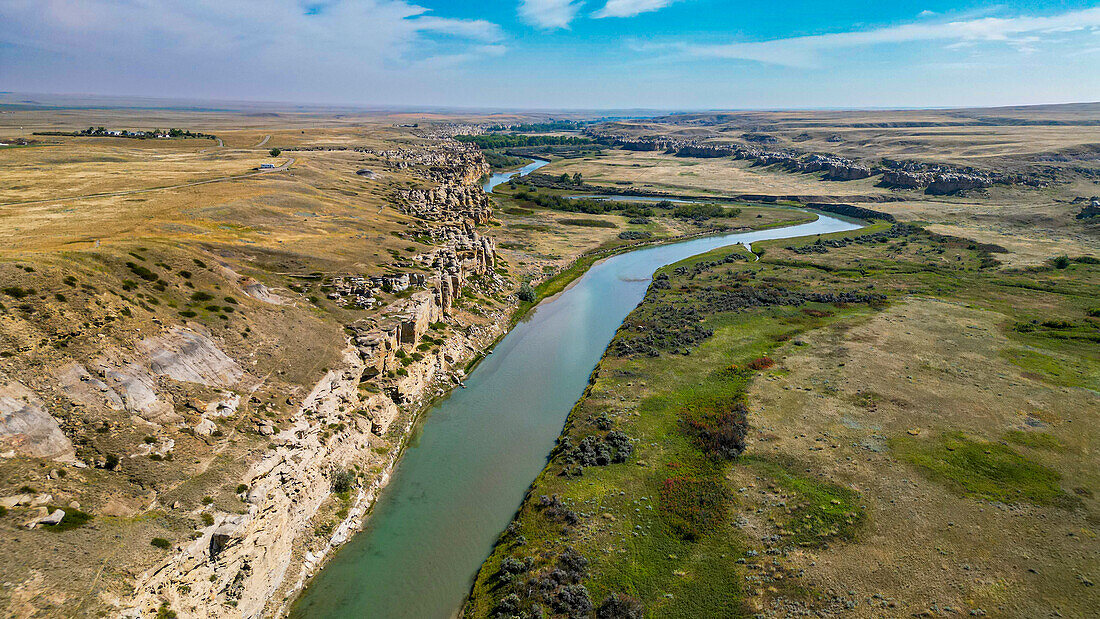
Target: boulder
27	427
54	518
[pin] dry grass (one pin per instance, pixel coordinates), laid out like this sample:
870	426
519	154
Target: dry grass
655	171
917	370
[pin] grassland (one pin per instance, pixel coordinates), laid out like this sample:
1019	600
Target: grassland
894	463
934	450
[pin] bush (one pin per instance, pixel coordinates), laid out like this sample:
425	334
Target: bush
18	293
161	543
573	601
616	606
342	480
761	363
635	235
718	426
275	152
527	293
588	223
142	272
200	296
1061	262
207	518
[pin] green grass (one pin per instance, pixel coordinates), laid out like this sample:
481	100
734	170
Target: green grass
819	510
1034	440
981	469
1065	371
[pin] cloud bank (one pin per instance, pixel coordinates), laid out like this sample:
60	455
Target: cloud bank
1021	32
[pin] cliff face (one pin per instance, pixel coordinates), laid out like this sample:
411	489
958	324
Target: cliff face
251	564
934	179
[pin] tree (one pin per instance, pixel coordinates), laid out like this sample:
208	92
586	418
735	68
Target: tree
577	178
275	152
564	177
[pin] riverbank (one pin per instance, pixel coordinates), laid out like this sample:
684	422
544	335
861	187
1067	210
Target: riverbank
457	487
750	444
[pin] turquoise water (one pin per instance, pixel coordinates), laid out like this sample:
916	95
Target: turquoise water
466	471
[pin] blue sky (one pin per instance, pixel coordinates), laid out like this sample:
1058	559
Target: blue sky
547	54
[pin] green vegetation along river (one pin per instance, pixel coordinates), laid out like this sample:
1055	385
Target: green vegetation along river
462	478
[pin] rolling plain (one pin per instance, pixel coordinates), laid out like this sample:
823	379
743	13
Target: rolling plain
210	366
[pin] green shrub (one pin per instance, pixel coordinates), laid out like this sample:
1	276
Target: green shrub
18	292
342	480
142	272
161	543
588	223
527	293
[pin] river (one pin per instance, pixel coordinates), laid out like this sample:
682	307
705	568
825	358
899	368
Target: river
502	177
476	452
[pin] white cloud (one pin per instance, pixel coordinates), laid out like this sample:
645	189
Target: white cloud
1023	32
630	8
549	14
296	49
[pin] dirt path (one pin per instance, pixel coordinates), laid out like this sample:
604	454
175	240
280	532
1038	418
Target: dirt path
263	141
110	194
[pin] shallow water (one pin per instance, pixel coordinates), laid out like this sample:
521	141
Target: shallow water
465	473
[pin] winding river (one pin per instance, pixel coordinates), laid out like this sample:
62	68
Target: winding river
475	454
503	177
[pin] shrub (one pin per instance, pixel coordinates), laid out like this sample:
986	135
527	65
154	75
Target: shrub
635	235
573	601
617	606
200	296
718	426
18	293
527	293
275	152
242	488
587	223
1061	262
207	518
573	565
142	272
161	543
207	500
342	480
761	363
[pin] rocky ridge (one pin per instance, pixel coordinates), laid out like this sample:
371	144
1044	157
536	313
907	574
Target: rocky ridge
254	562
933	179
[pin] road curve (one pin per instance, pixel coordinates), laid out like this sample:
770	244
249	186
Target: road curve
111	194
